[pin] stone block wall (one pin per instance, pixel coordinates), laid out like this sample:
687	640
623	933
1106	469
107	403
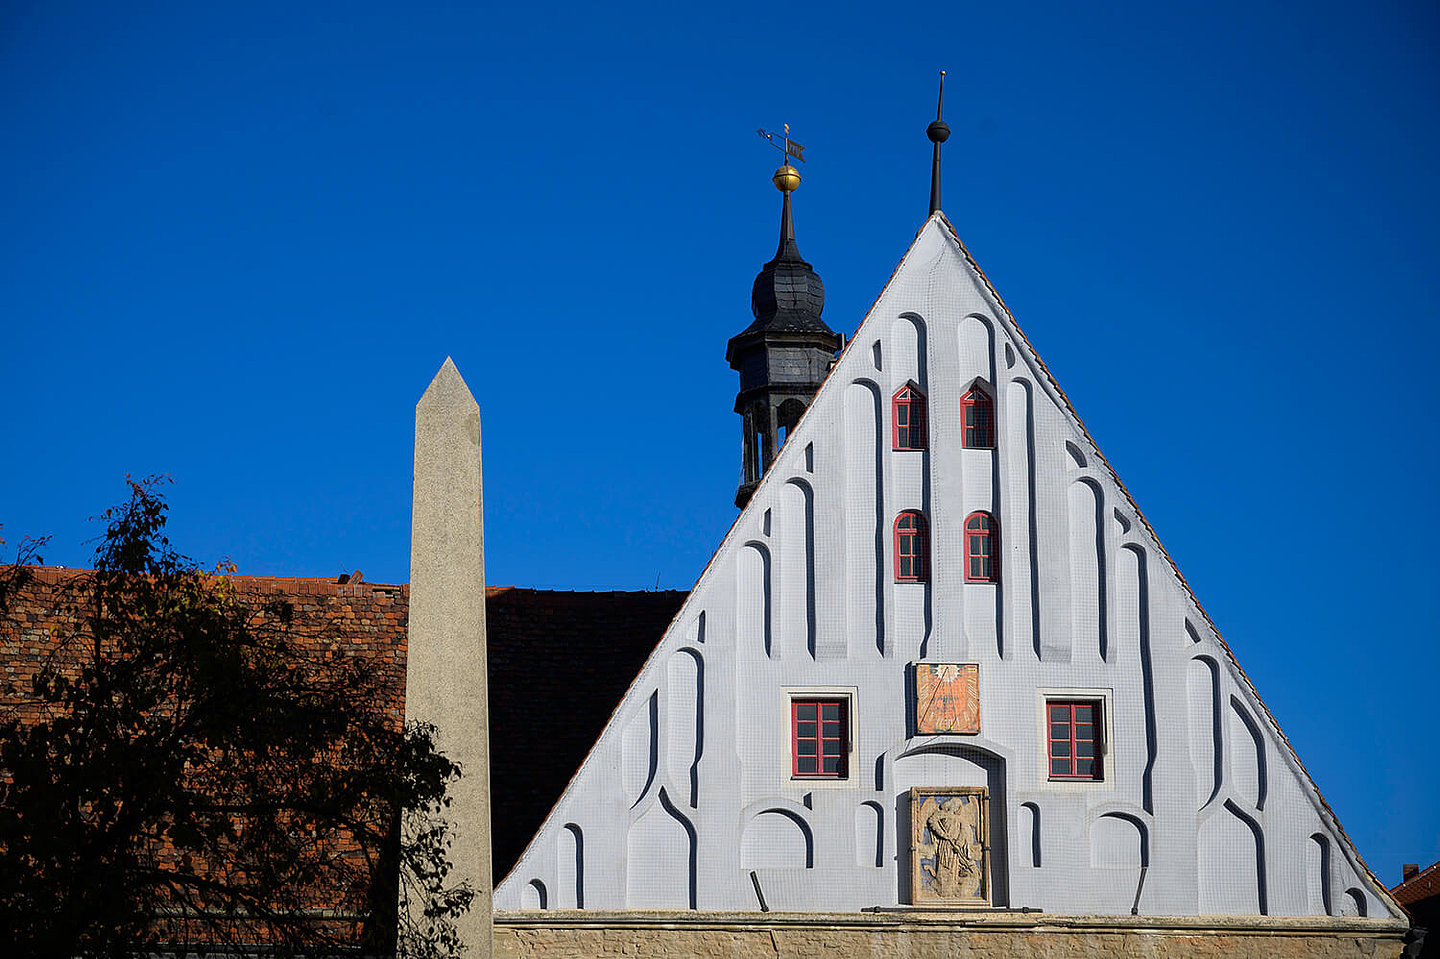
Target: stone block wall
590	934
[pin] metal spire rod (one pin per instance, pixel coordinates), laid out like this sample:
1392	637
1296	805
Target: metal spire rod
938	133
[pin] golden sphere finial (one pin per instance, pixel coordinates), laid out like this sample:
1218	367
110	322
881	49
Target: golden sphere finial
786	179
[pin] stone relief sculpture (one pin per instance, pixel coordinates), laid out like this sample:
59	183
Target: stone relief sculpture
949	852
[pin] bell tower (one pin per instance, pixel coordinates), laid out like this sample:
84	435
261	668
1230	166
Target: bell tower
783	356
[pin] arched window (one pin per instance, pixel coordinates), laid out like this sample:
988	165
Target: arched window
908	417
978	412
982	559
911	548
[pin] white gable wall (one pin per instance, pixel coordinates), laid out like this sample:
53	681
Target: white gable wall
689	788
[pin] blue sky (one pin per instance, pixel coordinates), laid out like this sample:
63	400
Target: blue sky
236	241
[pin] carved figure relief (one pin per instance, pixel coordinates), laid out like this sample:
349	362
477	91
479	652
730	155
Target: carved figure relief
947	698
949	850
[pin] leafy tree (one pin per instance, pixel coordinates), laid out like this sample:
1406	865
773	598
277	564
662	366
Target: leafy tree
187	774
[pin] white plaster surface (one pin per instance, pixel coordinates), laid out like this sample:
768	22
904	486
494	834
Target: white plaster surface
1200	790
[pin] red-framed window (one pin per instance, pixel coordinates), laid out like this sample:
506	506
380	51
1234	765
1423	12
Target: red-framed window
982	558
978	420
908	418
911	548
1074	735
820	738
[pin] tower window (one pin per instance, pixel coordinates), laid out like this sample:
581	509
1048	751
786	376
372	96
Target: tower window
1074	751
820	738
908	406
910	548
786	416
980	554
978	412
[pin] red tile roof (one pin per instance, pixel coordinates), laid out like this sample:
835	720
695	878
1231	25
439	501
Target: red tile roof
559	663
1422	885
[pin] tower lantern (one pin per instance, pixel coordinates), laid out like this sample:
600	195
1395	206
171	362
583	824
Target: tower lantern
783	356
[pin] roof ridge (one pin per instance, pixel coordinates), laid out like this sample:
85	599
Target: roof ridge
1422	874
56	573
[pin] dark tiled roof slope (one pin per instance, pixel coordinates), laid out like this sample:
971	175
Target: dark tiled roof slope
559	664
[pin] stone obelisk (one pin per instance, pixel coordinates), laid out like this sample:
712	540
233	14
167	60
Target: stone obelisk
445	678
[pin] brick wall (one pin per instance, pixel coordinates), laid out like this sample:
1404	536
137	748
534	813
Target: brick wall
332	621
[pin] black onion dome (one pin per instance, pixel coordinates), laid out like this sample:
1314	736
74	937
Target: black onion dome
788	295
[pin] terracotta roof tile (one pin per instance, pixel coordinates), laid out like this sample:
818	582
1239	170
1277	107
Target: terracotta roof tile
559	664
1423	885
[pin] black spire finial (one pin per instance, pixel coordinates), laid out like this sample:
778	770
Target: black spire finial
787	249
938	133
786	179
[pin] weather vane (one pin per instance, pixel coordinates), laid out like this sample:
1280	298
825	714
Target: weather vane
783	143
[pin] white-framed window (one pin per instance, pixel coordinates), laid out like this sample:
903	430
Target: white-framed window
822	725
1075	745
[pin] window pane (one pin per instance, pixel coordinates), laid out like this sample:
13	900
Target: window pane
1085	767
805	711
1060	731
805	730
805	747
1082	713
830	711
1084	731
1059	714
832	764
1059	767
1085	750
1060	749
805	764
